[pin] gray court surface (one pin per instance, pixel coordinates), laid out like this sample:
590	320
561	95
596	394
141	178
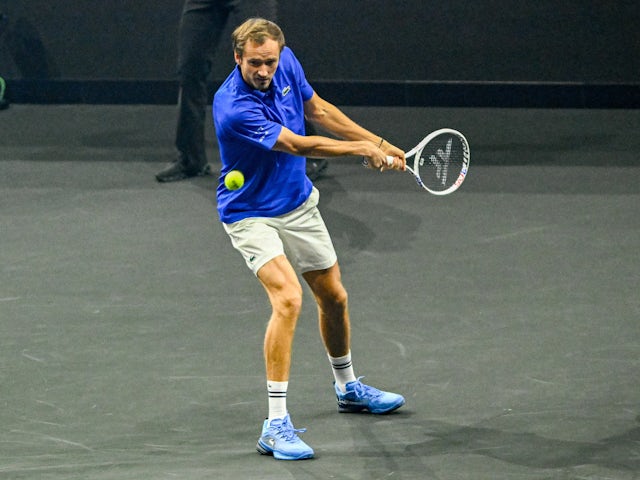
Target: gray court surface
507	313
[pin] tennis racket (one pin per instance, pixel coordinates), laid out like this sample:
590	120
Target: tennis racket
440	162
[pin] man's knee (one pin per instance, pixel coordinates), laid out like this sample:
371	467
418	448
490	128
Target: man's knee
287	302
291	303
334	300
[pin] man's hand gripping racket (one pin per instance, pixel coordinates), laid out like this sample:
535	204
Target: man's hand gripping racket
440	162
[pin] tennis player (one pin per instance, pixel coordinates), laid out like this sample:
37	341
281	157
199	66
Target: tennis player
273	220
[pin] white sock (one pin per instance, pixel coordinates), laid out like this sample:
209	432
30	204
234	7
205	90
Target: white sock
277	399
342	370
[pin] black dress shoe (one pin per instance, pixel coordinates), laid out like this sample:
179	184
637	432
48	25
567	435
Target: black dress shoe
316	167
177	171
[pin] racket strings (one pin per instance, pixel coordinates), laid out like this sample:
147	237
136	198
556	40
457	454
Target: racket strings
442	162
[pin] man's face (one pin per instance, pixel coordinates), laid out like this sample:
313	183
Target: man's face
258	63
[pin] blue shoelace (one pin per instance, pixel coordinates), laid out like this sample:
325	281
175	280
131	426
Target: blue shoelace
361	390
285	429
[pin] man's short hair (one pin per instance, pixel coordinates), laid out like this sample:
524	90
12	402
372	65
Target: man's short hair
257	30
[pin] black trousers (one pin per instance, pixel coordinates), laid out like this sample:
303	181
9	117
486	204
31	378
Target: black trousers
201	26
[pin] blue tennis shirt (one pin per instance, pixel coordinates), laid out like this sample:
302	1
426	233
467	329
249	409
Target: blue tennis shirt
247	124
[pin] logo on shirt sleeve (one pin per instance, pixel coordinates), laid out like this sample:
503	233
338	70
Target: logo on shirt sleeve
261	134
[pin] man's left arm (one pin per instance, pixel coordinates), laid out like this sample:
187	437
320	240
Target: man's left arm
352	138
329	117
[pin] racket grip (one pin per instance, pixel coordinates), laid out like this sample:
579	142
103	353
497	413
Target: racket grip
365	162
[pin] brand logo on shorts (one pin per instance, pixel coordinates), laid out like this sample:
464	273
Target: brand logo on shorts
252	258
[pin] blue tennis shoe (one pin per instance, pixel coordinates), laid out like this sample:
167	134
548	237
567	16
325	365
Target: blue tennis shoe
363	398
281	440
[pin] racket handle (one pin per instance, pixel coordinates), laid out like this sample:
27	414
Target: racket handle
365	162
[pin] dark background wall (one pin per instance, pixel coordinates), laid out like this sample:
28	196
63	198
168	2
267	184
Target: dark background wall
379	42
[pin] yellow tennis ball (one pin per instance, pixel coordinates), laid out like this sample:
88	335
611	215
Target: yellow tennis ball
234	180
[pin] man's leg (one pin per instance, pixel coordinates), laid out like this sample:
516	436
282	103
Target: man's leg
281	283
335	329
285	294
333	311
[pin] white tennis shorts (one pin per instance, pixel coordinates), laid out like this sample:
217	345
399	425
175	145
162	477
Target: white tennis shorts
301	235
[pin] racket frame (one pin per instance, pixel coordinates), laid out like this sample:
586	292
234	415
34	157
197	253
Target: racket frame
416	153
